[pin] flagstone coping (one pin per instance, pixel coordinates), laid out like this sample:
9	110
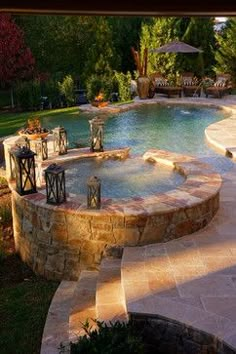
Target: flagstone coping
201	184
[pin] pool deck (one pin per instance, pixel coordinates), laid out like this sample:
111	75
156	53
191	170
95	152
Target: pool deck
192	280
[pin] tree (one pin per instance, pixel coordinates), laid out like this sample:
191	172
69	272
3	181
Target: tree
201	63
226	49
100	60
16	60
164	30
126	33
155	34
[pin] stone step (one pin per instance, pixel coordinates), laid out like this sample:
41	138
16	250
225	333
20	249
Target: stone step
110	301
83	305
56	329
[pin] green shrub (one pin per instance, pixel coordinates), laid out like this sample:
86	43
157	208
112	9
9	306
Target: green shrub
124	85
115	339
66	89
99	83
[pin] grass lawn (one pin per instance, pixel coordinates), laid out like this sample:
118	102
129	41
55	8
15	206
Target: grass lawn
24	297
23	311
11	122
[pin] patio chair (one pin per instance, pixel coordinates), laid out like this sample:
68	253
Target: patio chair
191	85
222	86
163	86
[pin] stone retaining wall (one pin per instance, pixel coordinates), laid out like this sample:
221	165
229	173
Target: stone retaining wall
168	336
60	241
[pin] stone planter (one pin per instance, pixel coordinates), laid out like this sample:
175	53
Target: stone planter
143	84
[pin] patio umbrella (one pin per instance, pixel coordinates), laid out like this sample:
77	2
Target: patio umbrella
176	47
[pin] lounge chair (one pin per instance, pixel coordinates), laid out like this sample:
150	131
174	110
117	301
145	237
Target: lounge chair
163	86
222	86
191	85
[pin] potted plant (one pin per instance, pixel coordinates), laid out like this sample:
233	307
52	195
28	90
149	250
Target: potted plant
143	82
34	130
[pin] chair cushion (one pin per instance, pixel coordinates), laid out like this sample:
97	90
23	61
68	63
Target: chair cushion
190	81
220	82
161	82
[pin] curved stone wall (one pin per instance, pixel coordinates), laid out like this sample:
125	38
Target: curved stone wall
60	241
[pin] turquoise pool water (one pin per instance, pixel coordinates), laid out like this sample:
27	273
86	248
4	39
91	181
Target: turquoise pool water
177	128
122	178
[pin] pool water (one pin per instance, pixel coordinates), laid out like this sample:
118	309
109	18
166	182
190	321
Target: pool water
177	128
122	178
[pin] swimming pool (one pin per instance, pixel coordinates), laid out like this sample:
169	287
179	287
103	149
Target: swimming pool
178	128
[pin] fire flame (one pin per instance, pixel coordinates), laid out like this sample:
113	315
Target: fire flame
99	97
99	100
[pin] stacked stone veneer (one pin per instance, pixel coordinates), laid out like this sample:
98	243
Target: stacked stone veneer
60	241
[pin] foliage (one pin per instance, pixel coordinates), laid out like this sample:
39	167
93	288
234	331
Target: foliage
126	34
99	84
43	36
101	60
67	90
201	63
123	83
114	339
16	60
226	49
155	34
164	30
28	95
64	43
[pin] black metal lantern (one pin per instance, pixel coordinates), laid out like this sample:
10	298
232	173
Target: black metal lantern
60	140
94	193
41	148
24	170
96	131
55	184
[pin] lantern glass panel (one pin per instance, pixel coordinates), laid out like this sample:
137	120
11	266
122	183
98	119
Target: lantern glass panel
60	140
55	184
96	132
94	193
24	170
41	149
